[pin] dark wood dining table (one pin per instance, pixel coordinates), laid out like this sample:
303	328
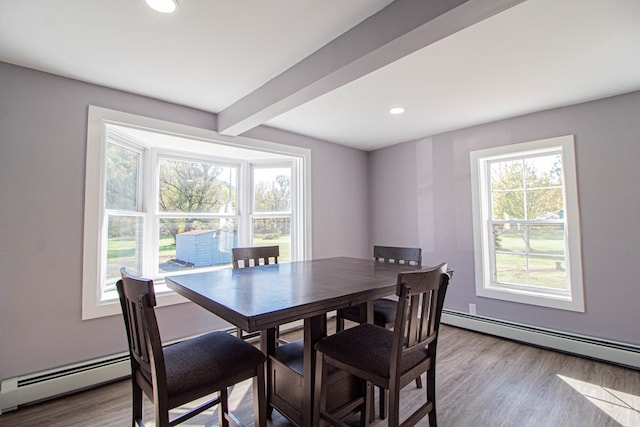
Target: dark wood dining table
261	298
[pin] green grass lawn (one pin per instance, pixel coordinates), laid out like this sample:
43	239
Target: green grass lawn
543	271
510	262
122	251
545	257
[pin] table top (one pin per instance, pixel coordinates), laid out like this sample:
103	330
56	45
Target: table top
258	298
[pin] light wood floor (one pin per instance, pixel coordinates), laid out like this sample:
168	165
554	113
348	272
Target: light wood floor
481	381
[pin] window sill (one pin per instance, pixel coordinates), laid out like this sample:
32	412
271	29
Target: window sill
111	307
562	302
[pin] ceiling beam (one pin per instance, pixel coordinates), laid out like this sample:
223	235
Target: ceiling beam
401	28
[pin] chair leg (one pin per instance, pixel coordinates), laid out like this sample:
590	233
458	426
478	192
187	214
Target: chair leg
137	405
367	413
431	396
223	410
162	415
239	333
394	406
384	398
320	401
260	398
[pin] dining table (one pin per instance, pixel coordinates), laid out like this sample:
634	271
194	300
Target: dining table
263	297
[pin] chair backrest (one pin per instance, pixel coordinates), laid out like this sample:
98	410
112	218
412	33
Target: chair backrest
398	255
420	301
138	300
259	255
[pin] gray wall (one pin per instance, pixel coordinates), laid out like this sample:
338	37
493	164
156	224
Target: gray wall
421	195
43	126
385	197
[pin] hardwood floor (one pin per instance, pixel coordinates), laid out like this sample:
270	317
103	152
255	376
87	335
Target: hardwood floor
481	381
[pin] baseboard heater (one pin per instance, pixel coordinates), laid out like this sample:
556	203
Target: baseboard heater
40	386
56	382
622	354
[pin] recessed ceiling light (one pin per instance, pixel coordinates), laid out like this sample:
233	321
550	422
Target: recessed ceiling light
163	6
396	110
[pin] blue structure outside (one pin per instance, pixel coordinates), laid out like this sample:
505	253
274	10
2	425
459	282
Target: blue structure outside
202	248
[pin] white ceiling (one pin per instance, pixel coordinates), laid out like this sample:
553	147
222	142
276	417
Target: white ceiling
228	56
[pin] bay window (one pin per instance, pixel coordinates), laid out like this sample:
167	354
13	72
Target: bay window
165	199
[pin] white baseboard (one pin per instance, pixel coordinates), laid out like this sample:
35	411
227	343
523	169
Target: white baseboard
39	386
608	351
64	380
55	382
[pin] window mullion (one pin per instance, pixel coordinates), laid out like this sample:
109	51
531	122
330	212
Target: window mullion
151	190
245	195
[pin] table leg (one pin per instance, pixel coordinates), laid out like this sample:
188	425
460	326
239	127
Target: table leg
315	328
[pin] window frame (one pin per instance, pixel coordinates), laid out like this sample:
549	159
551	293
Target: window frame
95	217
484	251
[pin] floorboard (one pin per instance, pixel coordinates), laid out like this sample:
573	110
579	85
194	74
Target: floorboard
481	381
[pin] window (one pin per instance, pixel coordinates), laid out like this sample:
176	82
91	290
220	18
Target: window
526	224
271	213
165	199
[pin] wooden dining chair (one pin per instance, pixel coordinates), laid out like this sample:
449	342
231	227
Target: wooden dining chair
251	257
175	375
390	359
384	309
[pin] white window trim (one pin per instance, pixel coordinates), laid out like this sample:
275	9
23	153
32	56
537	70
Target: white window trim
98	117
574	301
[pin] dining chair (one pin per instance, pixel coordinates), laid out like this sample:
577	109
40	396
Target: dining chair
252	257
174	375
389	359
384	309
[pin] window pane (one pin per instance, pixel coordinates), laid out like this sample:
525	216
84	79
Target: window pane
544	203
547	263
124	246
547	240
273	231
272	189
510	253
506	175
544	171
122	172
540	249
508	238
188	243
511	269
507	204
189	186
547	273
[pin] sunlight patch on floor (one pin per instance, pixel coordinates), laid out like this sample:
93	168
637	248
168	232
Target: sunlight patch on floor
622	407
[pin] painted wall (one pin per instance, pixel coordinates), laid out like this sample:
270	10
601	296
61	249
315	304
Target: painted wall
43	127
421	194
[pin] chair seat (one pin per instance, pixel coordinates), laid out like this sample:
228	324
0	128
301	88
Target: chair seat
367	347
384	312
212	358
